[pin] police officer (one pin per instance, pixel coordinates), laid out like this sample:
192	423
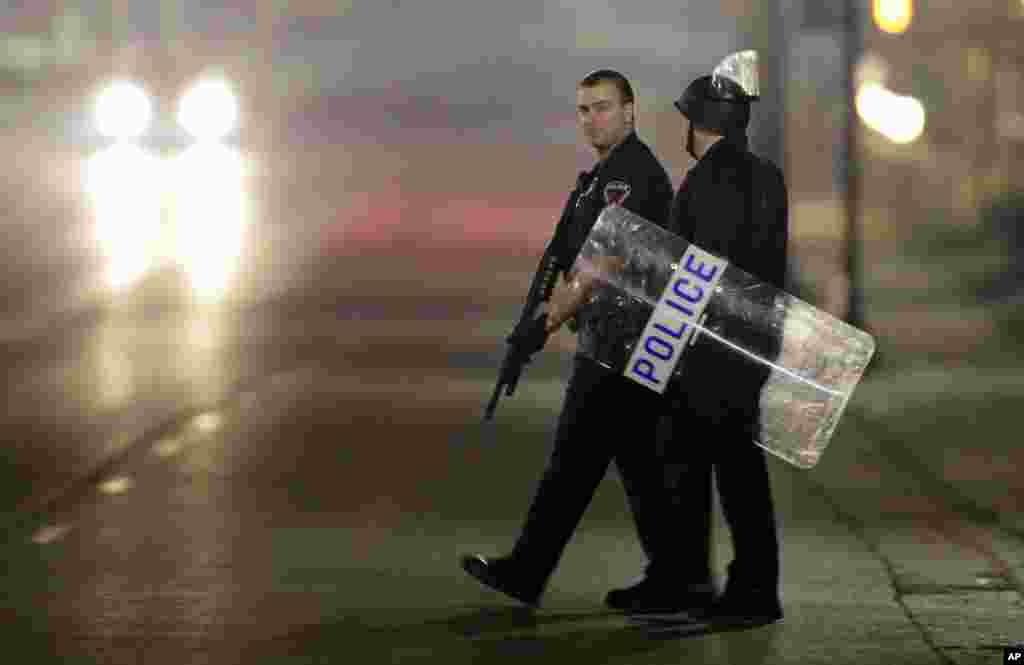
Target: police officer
732	204
604	417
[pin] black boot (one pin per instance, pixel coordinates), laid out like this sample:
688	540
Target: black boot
746	602
655	596
504	574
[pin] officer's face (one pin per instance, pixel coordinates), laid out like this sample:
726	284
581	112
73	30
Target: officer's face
602	116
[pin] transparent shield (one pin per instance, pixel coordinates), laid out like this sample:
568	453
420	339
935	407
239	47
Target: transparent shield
741	68
682	305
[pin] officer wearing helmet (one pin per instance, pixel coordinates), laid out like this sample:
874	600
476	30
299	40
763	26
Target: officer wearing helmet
732	203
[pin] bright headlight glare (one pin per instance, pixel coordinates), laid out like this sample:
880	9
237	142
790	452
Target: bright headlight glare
209	109
123	110
123	185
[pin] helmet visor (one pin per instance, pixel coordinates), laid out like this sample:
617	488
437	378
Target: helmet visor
739	69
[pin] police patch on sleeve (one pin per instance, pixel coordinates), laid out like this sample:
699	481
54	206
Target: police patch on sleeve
615	192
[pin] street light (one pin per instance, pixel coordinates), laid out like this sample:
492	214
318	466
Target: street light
899	118
892	16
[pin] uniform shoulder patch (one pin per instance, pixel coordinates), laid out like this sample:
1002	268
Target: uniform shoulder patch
615	192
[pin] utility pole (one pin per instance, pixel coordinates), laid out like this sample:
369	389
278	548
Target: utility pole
768	35
853	40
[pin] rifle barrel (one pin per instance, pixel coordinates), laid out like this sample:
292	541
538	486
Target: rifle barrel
493	404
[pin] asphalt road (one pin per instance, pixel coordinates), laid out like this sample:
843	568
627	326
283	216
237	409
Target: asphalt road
294	483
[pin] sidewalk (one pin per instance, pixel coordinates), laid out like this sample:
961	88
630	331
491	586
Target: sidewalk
889	556
939	547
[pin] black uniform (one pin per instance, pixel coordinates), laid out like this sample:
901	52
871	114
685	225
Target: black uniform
604	417
732	204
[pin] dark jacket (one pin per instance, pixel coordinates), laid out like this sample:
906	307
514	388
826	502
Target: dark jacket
604	325
649	194
734	204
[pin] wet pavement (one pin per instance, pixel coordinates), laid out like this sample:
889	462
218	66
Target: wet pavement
294	484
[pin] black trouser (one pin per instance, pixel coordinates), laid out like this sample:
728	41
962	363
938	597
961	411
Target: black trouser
716	432
604	417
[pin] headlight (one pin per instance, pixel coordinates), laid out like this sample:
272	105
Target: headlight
209	109
123	110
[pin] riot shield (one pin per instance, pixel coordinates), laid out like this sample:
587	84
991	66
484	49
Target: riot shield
673	301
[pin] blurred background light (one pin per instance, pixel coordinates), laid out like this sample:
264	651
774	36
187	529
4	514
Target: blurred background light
118	485
123	186
892	16
50	534
899	118
209	109
210	209
871	68
168	447
123	110
207	422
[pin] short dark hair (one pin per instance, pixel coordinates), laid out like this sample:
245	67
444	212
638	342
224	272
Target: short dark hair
602	75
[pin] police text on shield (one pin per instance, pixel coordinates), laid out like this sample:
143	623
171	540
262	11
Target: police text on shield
675	318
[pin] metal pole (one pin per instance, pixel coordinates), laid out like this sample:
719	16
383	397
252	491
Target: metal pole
852	44
770	38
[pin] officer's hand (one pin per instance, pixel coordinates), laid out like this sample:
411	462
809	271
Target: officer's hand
570	294
566	298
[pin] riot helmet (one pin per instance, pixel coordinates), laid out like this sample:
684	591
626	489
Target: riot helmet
721	102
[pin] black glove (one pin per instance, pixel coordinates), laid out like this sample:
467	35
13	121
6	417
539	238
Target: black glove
531	336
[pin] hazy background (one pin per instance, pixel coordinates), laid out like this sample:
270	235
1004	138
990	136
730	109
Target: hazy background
446	128
412	157
255	362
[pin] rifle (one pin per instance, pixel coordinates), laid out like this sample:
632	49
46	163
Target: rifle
528	336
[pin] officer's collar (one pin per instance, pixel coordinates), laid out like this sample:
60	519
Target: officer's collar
726	144
708	150
735	142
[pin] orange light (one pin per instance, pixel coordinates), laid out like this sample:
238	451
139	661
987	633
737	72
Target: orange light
892	16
